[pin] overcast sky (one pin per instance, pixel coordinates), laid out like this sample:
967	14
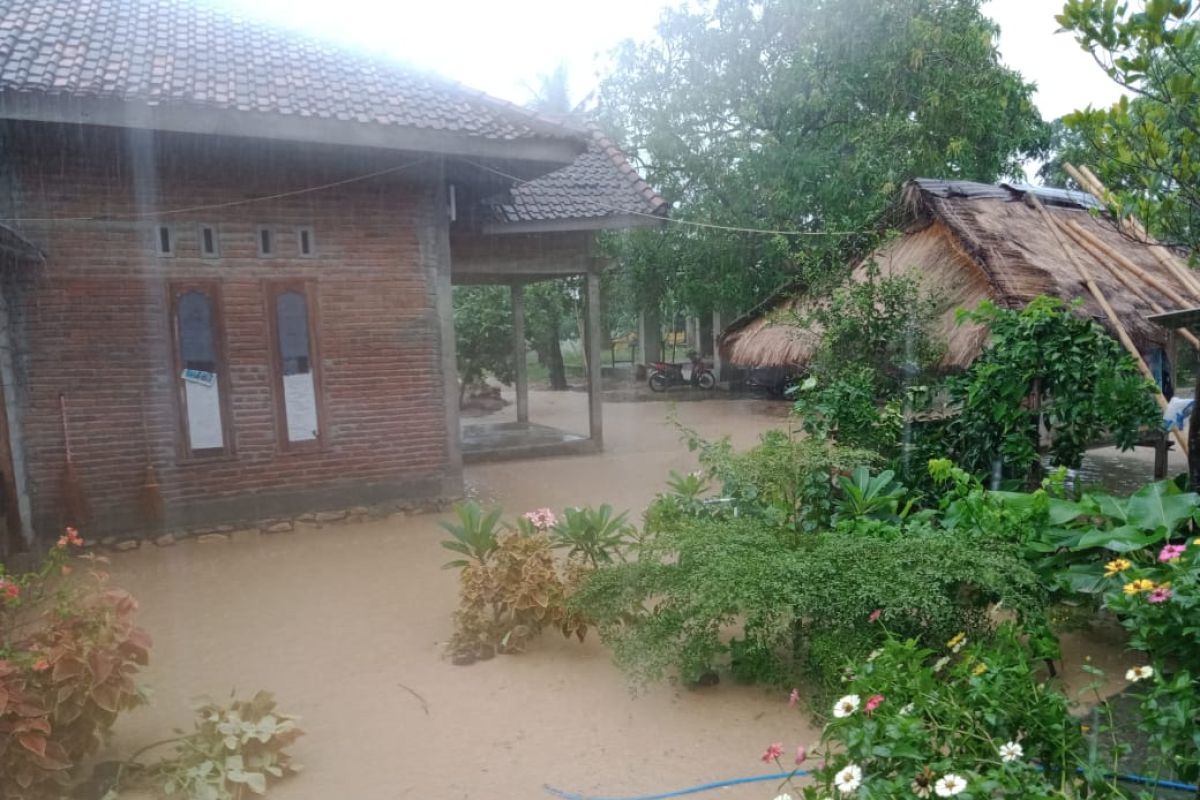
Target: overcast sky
502	47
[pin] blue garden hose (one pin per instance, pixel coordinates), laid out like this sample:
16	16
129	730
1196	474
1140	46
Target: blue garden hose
1128	777
704	787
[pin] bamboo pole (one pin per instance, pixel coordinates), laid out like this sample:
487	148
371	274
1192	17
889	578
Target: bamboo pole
1088	180
1129	284
1090	242
1122	333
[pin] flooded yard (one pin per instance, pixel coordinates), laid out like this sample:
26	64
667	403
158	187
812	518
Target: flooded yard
346	625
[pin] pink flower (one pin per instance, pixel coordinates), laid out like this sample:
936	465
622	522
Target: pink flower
875	615
1170	553
794	697
773	753
9	590
1160	594
873	702
41	665
541	518
71	537
801	754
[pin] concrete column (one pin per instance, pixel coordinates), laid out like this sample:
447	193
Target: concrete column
717	327
650	339
434	238
518	309
593	344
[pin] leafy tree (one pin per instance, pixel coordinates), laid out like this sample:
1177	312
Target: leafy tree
1045	364
804	115
484	333
549	314
1146	148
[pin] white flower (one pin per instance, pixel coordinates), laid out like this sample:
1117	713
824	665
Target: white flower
949	785
958	646
848	779
846	706
874	655
941	663
1135	674
784	796
1011	751
908	709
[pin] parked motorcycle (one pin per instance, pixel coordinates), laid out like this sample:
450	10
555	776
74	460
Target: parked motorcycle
664	374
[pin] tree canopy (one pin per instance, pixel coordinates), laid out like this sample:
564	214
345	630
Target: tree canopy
1146	148
804	115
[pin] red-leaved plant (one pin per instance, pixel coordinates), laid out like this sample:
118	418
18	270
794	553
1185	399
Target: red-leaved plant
69	653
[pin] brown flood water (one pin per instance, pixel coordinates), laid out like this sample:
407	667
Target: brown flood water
346	624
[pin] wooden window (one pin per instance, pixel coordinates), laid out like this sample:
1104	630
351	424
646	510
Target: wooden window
296	363
201	374
306	242
164	241
210	244
266	242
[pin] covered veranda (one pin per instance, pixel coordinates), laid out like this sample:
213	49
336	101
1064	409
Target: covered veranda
518	261
546	229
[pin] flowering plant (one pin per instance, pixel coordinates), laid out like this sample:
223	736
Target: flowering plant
69	653
976	720
1156	600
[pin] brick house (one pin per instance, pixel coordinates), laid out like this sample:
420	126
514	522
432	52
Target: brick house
226	262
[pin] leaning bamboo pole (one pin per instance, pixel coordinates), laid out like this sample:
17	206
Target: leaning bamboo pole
1130	284
1088	180
1090	242
1122	333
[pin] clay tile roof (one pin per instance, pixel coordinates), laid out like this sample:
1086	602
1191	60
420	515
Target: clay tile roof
183	52
599	184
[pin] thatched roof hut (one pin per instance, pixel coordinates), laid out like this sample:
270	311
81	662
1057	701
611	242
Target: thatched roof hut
969	242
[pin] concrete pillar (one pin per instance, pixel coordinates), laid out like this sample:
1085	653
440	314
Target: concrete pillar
593	344
717	326
650	339
522	376
434	239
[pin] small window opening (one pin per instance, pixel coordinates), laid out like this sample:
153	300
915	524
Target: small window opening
266	246
166	243
305	235
208	241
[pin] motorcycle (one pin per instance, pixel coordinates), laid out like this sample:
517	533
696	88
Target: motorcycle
664	374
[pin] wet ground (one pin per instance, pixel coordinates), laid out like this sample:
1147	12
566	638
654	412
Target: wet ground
346	624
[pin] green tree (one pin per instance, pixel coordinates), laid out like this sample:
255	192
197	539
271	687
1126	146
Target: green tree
483	331
1045	368
804	115
1146	147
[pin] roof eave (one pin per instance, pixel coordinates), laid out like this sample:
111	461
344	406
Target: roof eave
209	120
611	222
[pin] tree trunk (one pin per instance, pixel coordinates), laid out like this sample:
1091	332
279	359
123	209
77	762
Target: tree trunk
554	363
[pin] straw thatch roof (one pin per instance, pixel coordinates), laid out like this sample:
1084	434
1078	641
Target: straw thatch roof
969	242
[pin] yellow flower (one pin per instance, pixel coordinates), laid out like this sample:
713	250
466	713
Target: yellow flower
1084	728
980	668
1138	586
1115	566
958	639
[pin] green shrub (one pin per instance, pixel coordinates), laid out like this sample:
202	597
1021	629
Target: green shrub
673	611
69	656
786	481
235	751
1045	363
1156	595
964	719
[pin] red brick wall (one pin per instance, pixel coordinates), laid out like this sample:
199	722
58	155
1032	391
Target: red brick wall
93	322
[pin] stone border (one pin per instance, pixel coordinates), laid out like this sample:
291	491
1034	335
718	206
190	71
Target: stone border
309	520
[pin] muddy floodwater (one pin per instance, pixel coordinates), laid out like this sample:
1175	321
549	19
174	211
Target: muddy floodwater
346	625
